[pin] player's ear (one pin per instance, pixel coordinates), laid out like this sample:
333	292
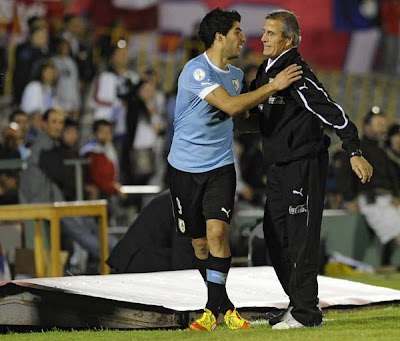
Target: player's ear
219	37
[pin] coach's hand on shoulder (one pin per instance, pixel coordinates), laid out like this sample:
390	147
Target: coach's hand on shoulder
362	168
286	77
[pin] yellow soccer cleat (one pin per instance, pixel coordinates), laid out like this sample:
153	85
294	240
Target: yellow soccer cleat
207	322
234	321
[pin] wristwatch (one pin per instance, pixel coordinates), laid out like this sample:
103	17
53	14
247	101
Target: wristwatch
357	152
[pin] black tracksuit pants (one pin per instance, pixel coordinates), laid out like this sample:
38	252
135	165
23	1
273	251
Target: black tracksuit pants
292	225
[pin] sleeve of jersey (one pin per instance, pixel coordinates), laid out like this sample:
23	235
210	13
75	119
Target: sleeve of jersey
310	94
199	80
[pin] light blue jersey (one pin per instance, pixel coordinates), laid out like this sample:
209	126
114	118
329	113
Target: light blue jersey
203	134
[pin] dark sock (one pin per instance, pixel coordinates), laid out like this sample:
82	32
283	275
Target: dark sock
217	272
201	265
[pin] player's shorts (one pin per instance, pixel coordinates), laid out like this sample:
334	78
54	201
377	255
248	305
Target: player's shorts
198	197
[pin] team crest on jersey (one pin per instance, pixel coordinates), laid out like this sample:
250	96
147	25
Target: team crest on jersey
181	225
235	83
199	74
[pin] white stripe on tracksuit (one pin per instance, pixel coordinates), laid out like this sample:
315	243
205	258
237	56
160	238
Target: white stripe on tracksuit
346	121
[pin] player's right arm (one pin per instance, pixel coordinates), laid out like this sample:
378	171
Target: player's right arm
236	105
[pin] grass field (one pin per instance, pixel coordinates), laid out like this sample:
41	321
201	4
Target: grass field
371	323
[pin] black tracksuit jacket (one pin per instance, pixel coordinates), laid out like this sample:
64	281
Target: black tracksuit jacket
291	120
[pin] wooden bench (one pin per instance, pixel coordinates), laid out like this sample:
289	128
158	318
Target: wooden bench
53	212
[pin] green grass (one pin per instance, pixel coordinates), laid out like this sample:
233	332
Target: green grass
371	323
391	280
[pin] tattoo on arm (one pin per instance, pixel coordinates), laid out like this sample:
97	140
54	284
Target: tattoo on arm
213	92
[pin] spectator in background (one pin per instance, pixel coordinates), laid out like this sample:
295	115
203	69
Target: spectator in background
377	200
157	106
112	90
250	73
393	150
140	144
39	95
70	150
27	57
102	175
21	118
390	13
3	61
67	88
249	57
12	140
74	31
44	179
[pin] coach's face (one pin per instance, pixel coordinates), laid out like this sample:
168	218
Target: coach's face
273	40
234	41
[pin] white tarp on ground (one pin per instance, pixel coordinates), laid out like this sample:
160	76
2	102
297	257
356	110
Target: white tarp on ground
185	290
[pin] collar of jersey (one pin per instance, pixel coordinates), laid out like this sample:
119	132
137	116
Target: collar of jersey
272	62
214	66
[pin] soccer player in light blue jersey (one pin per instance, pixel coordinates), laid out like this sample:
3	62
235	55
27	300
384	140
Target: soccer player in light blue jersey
201	171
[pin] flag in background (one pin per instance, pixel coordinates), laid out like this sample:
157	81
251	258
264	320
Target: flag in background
350	15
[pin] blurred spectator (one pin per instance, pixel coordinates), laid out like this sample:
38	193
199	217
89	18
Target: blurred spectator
27	56
103	169
70	150
12	140
21	118
39	94
138	160
192	44
44	179
157	100
111	36
3	61
74	31
157	107
67	88
376	200
36	21
249	57
393	150
252	172
113	88
390	13
250	72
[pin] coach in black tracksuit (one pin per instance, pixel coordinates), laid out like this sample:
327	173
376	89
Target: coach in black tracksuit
295	151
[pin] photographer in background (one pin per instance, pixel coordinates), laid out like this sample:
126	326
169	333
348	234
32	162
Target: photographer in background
112	89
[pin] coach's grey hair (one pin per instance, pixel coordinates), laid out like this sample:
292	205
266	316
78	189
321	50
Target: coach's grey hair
291	27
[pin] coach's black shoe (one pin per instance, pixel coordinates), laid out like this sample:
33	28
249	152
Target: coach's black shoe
280	317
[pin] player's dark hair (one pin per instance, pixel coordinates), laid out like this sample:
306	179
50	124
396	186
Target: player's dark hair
216	21
99	123
291	26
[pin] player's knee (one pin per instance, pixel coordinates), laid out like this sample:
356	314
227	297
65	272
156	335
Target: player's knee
200	247
217	234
